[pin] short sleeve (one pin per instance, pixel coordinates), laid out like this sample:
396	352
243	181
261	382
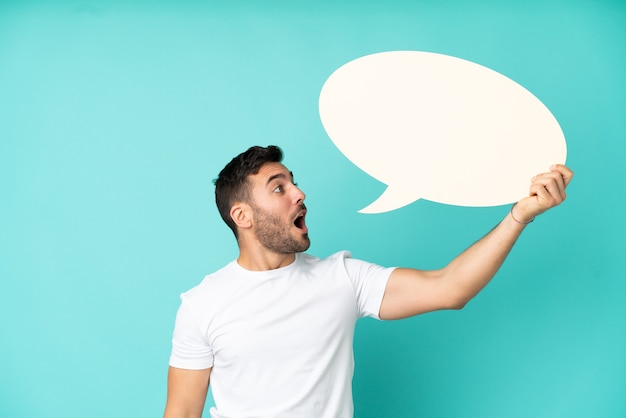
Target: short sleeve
190	349
369	282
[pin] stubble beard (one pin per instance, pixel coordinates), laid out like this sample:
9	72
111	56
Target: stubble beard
274	235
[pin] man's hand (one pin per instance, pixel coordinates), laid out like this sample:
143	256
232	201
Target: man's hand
546	191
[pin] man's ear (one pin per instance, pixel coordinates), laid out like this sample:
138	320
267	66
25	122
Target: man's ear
241	214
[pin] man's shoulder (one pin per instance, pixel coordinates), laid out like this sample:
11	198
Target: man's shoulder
210	281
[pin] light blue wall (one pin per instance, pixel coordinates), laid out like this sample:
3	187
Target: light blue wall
115	117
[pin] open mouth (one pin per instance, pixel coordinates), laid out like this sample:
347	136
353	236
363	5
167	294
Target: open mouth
299	223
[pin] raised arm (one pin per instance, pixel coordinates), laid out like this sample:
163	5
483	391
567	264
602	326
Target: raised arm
411	292
186	392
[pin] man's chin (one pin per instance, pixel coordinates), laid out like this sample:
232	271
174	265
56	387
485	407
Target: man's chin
306	243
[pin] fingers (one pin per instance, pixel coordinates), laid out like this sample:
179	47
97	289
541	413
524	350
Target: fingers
553	182
565	172
546	191
543	195
549	188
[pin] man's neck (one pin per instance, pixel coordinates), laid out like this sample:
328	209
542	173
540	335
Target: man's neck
263	260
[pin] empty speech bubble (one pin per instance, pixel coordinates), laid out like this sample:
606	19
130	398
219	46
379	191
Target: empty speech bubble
440	128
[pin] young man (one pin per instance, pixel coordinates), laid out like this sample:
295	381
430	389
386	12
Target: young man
272	331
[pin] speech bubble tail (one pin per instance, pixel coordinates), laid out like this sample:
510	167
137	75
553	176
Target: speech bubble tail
391	199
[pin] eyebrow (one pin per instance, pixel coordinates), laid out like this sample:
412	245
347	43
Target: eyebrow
278	176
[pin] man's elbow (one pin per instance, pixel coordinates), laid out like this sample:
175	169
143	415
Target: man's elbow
457	306
456	302
457	297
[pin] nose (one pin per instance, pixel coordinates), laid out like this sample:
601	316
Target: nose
298	195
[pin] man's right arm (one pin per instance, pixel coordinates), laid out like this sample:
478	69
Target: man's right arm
186	392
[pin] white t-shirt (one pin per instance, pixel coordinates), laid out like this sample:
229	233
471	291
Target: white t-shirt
280	341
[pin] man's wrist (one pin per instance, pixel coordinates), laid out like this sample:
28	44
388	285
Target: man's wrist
519	219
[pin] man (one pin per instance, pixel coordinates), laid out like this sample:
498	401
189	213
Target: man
272	331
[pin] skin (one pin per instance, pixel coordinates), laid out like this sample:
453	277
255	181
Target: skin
277	200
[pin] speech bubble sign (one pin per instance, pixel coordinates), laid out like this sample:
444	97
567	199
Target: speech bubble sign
436	127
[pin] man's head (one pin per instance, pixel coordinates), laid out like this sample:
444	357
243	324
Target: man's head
232	185
260	202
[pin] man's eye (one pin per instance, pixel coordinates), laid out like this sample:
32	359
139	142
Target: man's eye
278	189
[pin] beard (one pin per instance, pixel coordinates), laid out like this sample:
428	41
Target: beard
275	235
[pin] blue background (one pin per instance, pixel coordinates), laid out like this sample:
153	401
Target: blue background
116	116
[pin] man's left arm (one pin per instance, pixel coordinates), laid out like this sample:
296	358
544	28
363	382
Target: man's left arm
411	292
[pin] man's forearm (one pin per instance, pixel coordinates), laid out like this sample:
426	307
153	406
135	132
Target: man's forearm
471	270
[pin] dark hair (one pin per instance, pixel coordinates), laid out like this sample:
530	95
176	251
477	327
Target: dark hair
231	185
